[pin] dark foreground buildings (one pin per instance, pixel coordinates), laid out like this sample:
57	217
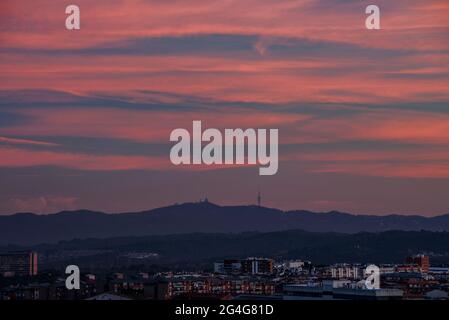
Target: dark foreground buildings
18	264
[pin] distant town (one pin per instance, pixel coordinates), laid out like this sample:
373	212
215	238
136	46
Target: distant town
252	278
235	264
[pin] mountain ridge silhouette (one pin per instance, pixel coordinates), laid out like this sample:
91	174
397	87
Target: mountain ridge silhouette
206	217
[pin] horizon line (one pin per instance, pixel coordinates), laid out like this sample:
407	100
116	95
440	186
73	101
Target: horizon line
206	201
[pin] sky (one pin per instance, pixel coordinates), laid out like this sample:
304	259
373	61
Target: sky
86	115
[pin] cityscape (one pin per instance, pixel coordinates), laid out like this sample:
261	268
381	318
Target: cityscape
276	264
252	278
194	154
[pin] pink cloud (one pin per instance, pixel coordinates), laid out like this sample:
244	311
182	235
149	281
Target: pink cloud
403	170
136	125
413	162
13	157
16	158
234	79
43	204
374	125
27	142
108	21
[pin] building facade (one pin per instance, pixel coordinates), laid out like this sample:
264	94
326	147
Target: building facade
420	260
257	266
18	264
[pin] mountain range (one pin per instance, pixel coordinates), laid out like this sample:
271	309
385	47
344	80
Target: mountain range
205	217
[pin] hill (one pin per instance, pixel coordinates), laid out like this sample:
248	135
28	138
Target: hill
200	250
28	229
